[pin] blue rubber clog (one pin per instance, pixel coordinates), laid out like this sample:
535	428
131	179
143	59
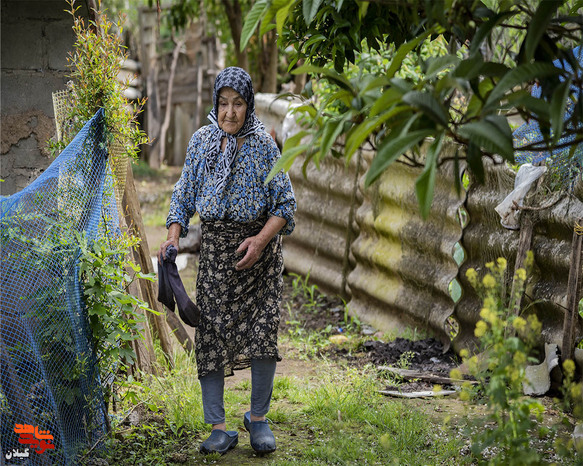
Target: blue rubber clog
262	439
219	442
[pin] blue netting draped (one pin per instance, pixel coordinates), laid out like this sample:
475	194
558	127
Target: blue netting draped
48	371
563	166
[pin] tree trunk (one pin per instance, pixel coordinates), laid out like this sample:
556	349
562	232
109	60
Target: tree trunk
235	16
269	58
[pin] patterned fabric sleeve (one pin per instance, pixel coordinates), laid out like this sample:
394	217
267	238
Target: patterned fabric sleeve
281	202
182	203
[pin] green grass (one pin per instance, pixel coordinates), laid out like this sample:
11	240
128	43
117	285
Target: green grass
337	417
322	412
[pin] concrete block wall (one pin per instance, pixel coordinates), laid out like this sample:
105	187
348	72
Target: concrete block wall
36	37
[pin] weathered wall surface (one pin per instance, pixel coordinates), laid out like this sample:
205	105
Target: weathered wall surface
36	36
484	240
372	245
404	265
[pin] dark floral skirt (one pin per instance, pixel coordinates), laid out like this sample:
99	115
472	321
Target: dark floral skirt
240	310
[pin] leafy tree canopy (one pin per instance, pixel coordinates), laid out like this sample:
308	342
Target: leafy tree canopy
492	53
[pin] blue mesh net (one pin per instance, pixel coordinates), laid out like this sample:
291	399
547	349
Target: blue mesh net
563	166
49	378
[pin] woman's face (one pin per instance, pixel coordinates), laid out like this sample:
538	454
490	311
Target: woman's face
232	110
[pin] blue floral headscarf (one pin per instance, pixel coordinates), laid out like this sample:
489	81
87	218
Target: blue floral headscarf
239	80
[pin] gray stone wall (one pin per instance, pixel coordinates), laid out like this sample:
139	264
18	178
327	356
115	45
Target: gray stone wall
36	37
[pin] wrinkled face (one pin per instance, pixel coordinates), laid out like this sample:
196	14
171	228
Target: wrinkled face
231	111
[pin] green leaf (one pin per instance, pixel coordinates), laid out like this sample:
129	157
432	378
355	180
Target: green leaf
251	21
332	130
437	64
520	75
310	8
558	105
361	132
286	160
537	27
469	68
485	29
493	134
314	39
386	100
332	75
306	108
474	159
429	105
404	50
391	151
281	16
425	184
524	100
457	176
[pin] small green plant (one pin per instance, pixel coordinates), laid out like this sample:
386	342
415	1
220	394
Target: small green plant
95	65
106	273
310	293
506	342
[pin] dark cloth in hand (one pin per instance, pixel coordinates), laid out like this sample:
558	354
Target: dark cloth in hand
170	288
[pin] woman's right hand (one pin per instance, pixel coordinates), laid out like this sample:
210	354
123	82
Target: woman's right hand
164	245
172	239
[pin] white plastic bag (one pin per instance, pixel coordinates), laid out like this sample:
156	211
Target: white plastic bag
526	176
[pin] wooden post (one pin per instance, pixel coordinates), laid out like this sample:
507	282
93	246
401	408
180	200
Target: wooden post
524	244
573	295
133	216
144	349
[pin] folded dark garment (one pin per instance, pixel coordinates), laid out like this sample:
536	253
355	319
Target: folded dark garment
170	287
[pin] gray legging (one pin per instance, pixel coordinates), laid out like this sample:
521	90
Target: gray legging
213	387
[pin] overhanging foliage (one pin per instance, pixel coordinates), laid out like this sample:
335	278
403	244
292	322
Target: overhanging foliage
496	51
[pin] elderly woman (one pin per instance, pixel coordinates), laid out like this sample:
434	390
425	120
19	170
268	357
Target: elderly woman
239	283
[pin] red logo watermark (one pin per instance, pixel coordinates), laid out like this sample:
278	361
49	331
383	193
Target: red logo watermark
38	440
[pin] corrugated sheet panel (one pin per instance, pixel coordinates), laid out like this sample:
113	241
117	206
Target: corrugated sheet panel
404	265
484	240
327	199
373	246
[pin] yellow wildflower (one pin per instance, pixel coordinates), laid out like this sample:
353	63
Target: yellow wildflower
490	303
465	395
472	276
569	368
488	315
534	324
481	329
521	274
456	373
490	265
576	391
519	324
502	263
489	281
529	261
473	364
519	358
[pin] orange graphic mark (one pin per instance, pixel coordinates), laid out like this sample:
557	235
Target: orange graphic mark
39	440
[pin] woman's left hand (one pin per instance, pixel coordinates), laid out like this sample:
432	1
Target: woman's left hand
254	247
255	244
